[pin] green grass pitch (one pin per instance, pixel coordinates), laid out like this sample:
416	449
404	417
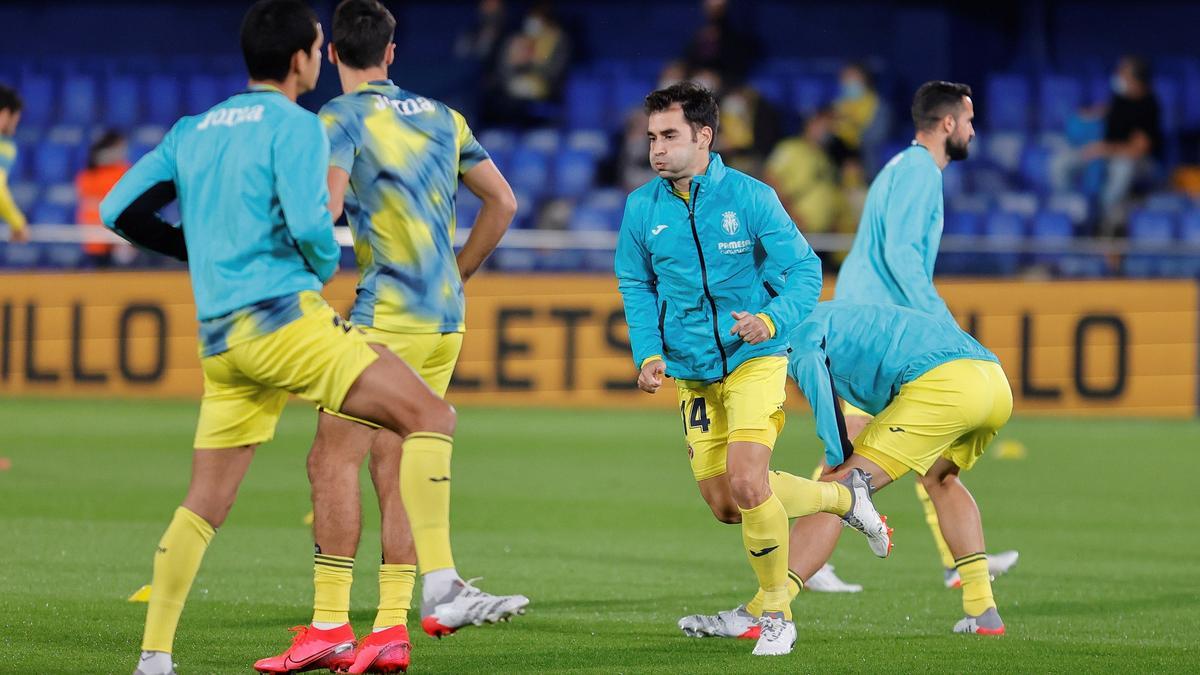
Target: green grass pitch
593	515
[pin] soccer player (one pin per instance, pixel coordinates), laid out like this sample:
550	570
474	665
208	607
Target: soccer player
396	160
713	275
893	256
10	116
938	398
250	178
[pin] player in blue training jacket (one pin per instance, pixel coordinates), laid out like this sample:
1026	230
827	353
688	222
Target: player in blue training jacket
249	175
714	275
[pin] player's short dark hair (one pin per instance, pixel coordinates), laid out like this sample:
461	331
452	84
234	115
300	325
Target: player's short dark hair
934	100
362	30
1139	67
698	104
10	99
272	32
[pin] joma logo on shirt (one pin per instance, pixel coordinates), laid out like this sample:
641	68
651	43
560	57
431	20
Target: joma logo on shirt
405	106
228	117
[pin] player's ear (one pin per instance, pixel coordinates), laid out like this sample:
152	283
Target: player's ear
332	54
389	55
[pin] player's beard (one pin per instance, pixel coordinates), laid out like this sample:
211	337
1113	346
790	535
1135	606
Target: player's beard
957	152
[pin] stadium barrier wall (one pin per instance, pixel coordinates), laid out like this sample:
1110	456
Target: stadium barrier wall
1069	347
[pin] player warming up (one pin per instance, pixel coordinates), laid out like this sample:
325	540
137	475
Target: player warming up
250	177
892	259
396	159
938	399
10	117
713	275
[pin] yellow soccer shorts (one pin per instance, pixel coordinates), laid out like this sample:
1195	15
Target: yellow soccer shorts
317	357
745	406
432	355
851	411
952	411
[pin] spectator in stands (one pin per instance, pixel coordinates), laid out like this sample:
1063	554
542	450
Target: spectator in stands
532	65
1131	149
10	116
481	42
860	124
749	123
803	174
718	45
108	160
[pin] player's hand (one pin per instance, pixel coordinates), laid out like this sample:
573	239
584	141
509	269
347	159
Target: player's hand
18	235
650	379
750	327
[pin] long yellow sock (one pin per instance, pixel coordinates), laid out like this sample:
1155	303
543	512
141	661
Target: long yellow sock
765	535
425	488
395	594
931	518
794	584
801	496
175	565
332	577
976	583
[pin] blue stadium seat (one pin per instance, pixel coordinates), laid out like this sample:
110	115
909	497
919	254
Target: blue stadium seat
592	219
162	99
1004	149
1166	202
1003	228
466	207
808	94
1008	103
1167	91
1035	167
574	173
54	162
527	208
588	104
50	213
63	256
37	94
628	93
79	99
25	195
595	143
1189	233
1074	204
1053	228
1059	98
1151	228
529	170
546	141
964	223
772	89
122	108
1024	204
201	93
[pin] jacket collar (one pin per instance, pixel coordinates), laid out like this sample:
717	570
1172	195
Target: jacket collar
711	177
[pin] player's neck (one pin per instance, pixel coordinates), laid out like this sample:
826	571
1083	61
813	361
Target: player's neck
353	78
683	185
936	147
289	87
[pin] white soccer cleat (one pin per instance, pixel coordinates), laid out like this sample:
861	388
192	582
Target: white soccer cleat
778	635
825	581
862	515
998	564
731	623
988	623
466	605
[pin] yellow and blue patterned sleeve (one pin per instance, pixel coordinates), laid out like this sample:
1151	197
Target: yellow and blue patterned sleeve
9	212
341	144
470	152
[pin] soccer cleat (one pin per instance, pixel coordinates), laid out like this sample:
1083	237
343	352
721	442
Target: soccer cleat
731	623
155	663
778	635
312	648
862	515
988	623
825	581
998	564
385	651
466	605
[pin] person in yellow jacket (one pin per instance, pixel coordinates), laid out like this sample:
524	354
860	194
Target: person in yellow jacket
10	116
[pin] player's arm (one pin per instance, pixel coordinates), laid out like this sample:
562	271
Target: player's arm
10	213
131	208
301	158
914	198
638	285
342	150
809	367
789	258
485	181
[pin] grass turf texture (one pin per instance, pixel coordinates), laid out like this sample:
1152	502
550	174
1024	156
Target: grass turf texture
593	515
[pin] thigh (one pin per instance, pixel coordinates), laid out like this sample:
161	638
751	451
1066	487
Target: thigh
439	365
704	427
753	398
235	410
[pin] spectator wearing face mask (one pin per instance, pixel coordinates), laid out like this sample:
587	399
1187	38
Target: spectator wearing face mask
1130	150
801	171
749	123
860	123
531	68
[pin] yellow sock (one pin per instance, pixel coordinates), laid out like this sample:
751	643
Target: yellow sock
932	519
801	496
976	583
765	535
395	594
425	488
332	577
175	564
794	584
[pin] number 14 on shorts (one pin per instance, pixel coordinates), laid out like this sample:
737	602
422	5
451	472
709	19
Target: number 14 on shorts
697	418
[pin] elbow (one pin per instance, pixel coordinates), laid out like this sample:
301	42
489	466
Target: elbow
505	204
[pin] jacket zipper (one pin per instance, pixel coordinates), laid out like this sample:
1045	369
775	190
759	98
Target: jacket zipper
691	207
662	318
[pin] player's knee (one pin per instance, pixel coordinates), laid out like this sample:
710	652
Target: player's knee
749	491
726	513
436	416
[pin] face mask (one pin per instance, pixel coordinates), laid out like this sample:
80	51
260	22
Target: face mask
533	26
1118	85
853	89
